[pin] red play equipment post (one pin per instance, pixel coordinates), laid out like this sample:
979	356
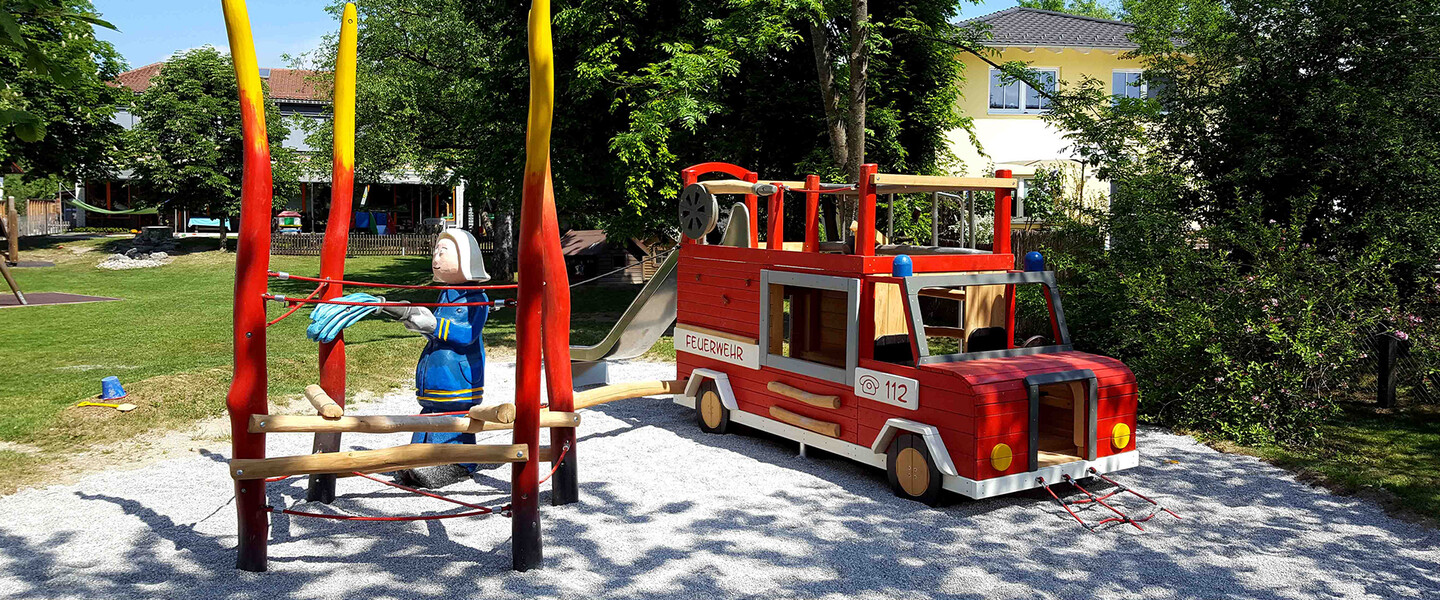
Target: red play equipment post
865	235
1002	207
337	239
248	382
812	213
775	236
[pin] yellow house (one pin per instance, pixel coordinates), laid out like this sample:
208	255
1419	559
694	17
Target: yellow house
1062	49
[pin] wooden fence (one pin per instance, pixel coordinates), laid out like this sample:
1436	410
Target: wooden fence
363	244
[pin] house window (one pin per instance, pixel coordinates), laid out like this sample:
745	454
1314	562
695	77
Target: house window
809	324
1022	189
1018	98
1127	84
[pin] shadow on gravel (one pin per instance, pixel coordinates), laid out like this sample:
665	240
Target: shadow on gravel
832	529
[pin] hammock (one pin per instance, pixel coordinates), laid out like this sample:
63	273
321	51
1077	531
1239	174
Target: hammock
96	209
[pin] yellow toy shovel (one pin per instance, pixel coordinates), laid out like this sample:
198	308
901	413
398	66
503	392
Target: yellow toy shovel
126	407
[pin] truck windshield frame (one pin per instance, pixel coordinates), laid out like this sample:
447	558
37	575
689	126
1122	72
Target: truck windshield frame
911	287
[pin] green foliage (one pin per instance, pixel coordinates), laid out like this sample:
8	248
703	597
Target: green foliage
188	150
1084	8
55	104
29	187
1275	207
643	89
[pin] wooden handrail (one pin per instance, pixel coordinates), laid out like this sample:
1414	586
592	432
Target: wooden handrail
886	183
795	393
821	427
621	391
395	424
408	456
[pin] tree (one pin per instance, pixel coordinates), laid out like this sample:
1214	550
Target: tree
55	102
1275	204
1084	8
644	88
187	148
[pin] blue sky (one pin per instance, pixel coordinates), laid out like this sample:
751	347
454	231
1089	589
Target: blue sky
151	30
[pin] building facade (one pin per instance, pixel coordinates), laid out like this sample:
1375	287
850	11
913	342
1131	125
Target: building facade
399	203
1062	50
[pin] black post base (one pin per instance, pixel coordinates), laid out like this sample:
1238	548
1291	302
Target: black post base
322	487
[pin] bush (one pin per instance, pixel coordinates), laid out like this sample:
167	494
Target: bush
100	230
1256	342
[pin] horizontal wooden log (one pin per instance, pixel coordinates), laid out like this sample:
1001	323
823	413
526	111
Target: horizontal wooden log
735	186
409	456
794	393
494	413
621	391
908	184
804	422
323	403
394	424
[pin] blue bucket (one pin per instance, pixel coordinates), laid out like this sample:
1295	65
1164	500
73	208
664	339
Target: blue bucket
110	389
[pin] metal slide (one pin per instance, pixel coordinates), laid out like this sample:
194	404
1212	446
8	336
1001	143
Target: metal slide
652	312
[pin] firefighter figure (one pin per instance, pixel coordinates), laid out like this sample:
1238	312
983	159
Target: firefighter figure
450	376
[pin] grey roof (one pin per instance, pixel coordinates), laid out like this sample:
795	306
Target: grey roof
1034	27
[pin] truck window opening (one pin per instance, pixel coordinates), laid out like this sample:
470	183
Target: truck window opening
1062	423
808	324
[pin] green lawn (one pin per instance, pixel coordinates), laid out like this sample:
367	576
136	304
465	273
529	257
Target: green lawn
1391	456
168	340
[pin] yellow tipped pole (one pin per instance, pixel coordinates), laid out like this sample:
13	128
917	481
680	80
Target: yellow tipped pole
535	195
337	236
247	395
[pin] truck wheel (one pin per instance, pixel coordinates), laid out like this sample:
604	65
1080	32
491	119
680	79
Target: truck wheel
912	471
709	410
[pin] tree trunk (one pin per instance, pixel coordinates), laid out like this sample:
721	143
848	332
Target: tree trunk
224	233
834	122
859	61
504	234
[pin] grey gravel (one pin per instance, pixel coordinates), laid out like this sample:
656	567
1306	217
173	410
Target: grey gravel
669	512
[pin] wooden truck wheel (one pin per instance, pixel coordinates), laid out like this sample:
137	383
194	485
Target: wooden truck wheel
912	471
710	410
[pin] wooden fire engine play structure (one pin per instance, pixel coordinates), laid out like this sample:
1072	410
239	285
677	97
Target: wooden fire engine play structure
825	343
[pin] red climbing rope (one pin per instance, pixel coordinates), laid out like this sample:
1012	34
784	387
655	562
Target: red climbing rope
297	305
284	275
278	298
479	510
558	461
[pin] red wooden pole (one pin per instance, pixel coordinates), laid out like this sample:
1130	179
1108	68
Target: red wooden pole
337	237
247	395
775	237
812	214
865	235
752	203
1003	200
565	483
687	177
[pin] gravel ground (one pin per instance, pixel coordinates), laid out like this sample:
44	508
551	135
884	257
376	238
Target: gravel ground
667	511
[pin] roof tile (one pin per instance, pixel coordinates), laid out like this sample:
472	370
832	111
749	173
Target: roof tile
1034	27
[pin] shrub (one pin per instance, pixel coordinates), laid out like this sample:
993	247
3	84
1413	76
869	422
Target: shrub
1251	334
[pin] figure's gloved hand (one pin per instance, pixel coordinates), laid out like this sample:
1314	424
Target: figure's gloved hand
329	320
415	318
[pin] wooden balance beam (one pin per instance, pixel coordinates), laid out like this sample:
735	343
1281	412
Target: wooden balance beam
622	391
395	424
409	456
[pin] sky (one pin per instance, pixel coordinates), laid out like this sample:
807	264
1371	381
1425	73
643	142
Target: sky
151	30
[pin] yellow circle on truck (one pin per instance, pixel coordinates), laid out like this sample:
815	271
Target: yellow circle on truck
1120	436
1001	457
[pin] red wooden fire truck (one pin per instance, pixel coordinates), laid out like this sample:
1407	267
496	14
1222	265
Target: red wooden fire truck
945	366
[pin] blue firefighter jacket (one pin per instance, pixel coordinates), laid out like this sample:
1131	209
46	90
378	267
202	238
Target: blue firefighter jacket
451	372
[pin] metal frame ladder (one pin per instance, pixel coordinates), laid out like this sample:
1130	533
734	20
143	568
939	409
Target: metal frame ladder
1091	498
